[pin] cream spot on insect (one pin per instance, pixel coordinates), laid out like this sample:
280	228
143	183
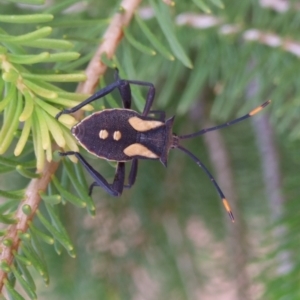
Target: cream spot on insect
144	125
103	134
139	149
117	135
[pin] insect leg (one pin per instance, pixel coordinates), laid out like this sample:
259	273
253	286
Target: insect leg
132	174
150	95
118	183
125	92
99	94
99	179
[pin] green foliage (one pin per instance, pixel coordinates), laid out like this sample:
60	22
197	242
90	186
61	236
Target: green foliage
161	239
28	97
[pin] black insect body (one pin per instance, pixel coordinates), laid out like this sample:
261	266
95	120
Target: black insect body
123	135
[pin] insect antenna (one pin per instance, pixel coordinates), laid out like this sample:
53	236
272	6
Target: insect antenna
200	164
203	131
212	179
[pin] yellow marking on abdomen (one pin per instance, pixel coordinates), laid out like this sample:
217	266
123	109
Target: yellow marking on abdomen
139	149
144	125
117	135
103	134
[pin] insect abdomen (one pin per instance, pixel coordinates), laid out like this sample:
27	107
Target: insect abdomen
121	135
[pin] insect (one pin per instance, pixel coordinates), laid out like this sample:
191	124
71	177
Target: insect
122	135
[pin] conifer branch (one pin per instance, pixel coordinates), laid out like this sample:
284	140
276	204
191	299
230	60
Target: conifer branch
111	39
32	198
95	69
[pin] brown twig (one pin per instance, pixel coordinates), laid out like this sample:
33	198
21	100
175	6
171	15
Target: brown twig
94	70
111	39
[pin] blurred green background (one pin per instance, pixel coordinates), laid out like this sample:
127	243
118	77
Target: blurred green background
169	236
